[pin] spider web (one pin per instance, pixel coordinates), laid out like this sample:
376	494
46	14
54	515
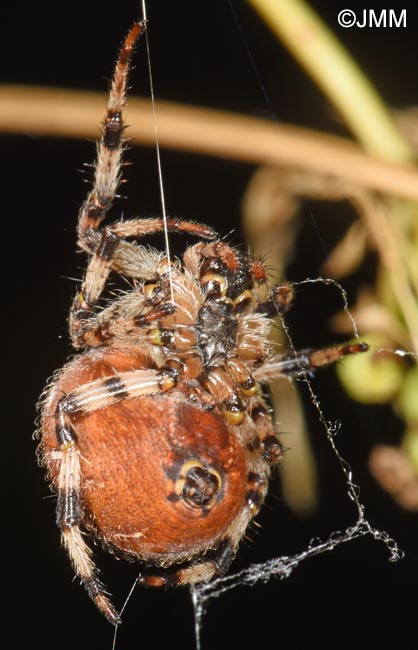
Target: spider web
283	566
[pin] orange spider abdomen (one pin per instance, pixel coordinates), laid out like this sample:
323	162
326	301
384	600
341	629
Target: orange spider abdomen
162	479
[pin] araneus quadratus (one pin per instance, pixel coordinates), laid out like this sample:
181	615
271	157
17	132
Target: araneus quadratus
156	436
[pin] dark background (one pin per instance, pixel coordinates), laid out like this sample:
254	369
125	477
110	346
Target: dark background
198	57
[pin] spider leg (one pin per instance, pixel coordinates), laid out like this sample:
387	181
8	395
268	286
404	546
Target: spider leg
129	259
272	448
215	564
93	396
106	256
110	147
277	302
143	227
114	324
222	388
102	245
69	515
304	362
265	435
106	181
103	392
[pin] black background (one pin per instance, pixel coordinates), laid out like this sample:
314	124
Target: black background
198	57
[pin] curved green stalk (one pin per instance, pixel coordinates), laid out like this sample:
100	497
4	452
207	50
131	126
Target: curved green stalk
335	72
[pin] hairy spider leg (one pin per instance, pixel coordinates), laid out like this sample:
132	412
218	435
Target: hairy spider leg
106	181
107	174
215	564
278	301
92	396
69	516
305	362
105	257
107	178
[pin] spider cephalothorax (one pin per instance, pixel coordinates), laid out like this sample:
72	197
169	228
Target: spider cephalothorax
156	436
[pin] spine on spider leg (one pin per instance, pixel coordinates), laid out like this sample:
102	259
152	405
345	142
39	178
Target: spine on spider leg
110	145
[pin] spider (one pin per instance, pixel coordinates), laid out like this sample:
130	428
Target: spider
156	436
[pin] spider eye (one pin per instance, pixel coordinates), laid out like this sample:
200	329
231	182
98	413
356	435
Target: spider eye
198	485
215	285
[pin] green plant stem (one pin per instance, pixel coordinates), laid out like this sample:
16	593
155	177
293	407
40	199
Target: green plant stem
332	68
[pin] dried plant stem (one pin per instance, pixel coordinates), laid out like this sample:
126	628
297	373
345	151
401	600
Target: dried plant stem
268	213
68	113
389	240
343	82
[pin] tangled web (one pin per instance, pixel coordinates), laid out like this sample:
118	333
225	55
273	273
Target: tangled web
283	566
